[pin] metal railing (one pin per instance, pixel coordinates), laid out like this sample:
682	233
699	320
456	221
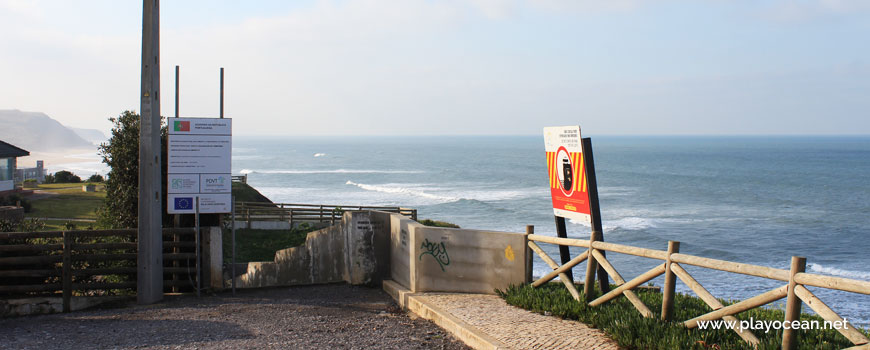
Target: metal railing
240	178
296	213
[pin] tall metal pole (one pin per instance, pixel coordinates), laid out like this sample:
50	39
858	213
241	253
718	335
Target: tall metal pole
198	252
594	207
149	278
176	91
222	92
233	228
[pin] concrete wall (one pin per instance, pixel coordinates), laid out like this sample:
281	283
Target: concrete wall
369	246
470	261
353	251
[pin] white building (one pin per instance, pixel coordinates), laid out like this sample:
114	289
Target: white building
8	160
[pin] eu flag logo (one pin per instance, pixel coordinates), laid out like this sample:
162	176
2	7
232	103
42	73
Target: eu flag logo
183	203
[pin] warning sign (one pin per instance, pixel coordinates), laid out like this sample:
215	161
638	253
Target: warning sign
567	173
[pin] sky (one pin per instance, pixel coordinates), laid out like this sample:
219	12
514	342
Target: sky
457	67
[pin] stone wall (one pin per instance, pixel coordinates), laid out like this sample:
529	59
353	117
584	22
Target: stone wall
368	247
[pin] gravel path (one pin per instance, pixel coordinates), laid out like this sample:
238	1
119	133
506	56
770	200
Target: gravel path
313	317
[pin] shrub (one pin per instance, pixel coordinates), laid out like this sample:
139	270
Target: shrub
63	177
436	223
625	325
15	199
96	178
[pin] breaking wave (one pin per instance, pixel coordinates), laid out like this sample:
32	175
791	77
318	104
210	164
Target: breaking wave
330	171
453	195
403	190
319	155
864	275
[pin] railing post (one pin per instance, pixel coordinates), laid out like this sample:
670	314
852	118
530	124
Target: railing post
66	274
591	267
792	305
670	283
530	229
291	218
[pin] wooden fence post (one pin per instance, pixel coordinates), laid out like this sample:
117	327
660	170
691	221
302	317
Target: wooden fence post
792	305
66	274
591	267
670	283
530	229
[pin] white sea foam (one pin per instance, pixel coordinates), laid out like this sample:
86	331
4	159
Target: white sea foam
331	171
626	223
403	190
863	275
443	194
319	154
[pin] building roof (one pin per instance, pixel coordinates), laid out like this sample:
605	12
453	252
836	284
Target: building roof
7	150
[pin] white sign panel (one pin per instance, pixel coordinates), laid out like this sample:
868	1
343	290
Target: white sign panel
200	163
197	154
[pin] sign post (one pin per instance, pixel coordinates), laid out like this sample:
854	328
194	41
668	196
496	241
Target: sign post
199	178
573	189
200	151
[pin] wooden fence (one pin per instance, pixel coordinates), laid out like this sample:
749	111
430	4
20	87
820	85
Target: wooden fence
296	213
794	290
44	263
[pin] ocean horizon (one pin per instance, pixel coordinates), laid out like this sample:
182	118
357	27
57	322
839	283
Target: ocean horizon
749	199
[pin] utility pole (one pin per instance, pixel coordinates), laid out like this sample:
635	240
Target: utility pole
149	278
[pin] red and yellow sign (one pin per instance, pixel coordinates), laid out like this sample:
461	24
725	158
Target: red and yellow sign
567	173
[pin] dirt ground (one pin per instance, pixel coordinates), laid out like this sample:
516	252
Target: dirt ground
335	316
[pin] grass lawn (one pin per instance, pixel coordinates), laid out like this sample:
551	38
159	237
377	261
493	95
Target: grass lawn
623	323
70	202
261	245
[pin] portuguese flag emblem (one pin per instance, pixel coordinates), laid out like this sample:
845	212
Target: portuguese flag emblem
182	126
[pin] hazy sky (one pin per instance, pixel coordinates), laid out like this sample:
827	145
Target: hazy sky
454	66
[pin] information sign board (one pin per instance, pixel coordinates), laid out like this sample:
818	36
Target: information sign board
200	165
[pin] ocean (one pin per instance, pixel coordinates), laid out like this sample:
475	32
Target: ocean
757	200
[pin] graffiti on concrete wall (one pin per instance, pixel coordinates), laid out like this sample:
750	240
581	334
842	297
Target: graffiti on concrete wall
437	251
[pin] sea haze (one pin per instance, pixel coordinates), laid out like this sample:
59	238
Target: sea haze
757	200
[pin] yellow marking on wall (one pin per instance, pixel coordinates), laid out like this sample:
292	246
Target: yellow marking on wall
509	253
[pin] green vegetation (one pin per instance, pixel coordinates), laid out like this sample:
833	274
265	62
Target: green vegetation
68	203
436	223
245	193
63	177
121	154
13	200
261	245
96	178
623	323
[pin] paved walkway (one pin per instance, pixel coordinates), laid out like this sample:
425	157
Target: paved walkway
488	322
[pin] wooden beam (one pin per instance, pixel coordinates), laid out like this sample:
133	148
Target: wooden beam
712	302
831	282
751	303
633	298
728	266
850	332
550	276
554	265
646	276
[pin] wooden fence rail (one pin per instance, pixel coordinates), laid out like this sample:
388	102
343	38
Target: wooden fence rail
71	261
296	213
794	290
